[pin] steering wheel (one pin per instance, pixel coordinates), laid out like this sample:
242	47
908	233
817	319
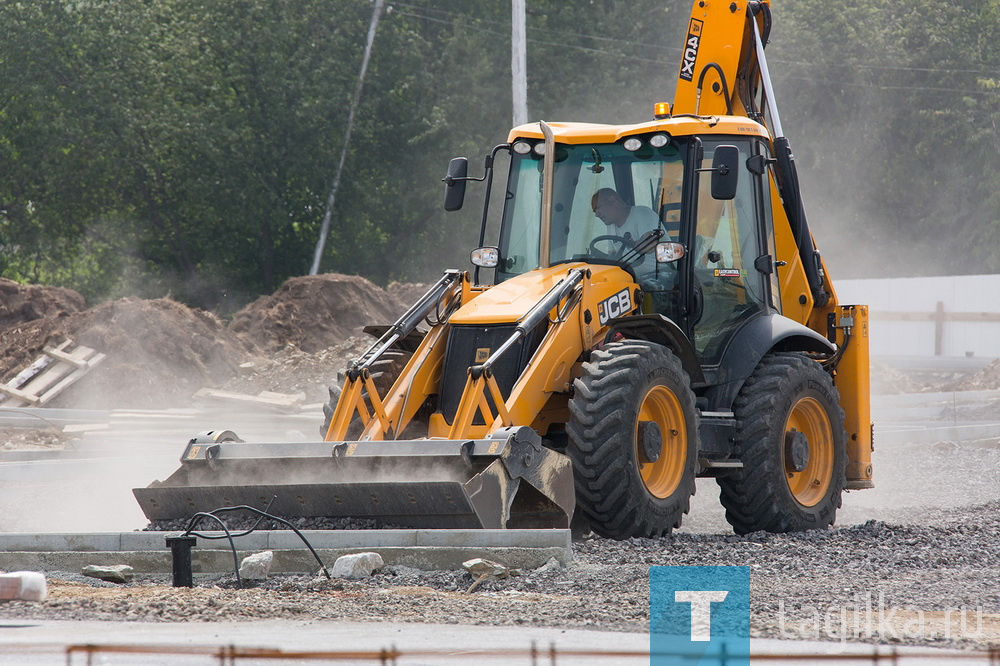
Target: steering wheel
622	242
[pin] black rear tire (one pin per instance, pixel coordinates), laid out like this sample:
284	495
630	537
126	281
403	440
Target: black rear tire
792	441
625	487
385	371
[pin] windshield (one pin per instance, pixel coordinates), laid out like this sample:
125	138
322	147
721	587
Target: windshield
605	198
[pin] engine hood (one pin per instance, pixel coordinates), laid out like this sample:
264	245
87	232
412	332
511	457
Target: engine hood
510	300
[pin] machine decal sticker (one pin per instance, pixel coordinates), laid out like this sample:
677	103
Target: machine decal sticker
614	307
193	453
727	272
691	49
482	354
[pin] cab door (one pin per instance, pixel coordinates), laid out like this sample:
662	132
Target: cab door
727	288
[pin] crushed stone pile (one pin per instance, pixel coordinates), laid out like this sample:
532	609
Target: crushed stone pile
21	303
313	313
159	352
41	438
987	379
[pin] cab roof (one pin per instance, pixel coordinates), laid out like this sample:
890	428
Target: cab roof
573	133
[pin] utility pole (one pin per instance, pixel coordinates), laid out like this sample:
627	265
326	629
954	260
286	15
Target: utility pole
518	63
325	227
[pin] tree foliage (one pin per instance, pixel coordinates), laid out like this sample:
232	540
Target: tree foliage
188	147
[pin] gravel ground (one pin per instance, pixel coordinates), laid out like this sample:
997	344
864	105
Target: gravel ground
893	571
873	582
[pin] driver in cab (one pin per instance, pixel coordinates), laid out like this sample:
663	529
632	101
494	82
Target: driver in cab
628	222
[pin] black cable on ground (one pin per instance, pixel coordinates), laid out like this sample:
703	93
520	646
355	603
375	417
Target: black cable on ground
261	516
236	561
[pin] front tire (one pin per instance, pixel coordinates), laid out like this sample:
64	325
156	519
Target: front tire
633	440
792	441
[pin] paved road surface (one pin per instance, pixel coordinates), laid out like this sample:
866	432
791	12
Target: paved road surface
44	643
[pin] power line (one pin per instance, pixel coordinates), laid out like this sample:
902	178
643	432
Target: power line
577	47
894	68
880	86
452	21
501	24
778	77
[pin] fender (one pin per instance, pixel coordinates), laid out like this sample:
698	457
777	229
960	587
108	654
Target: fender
754	340
657	328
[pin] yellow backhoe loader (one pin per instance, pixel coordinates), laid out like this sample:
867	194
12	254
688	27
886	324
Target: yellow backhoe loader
653	310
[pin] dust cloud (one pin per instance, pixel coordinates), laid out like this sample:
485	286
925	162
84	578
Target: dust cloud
133	414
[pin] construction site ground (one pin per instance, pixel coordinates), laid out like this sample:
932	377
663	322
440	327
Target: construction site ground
913	562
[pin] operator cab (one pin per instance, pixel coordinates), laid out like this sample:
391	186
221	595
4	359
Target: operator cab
698	241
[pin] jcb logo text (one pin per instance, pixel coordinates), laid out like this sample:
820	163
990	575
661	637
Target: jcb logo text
691	50
614	307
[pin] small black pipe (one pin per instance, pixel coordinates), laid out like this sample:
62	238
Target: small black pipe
180	551
725	85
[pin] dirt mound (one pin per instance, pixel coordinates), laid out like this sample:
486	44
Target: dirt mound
21	303
314	313
407	293
295	371
159	352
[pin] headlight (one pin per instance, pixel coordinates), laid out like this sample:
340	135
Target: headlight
659	140
633	144
521	147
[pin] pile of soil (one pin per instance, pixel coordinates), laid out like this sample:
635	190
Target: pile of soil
295	371
20	303
314	313
159	352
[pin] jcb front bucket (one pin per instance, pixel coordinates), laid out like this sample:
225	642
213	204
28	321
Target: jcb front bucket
507	481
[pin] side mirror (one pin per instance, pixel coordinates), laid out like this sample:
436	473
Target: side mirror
485	257
725	172
454	191
667	253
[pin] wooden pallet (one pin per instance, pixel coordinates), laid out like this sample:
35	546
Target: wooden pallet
282	402
53	372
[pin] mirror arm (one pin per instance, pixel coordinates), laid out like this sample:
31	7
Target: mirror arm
448	180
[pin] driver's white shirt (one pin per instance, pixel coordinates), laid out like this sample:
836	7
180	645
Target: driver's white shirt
640	220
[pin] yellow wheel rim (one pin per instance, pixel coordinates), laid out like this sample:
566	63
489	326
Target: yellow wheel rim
809	486
663	476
